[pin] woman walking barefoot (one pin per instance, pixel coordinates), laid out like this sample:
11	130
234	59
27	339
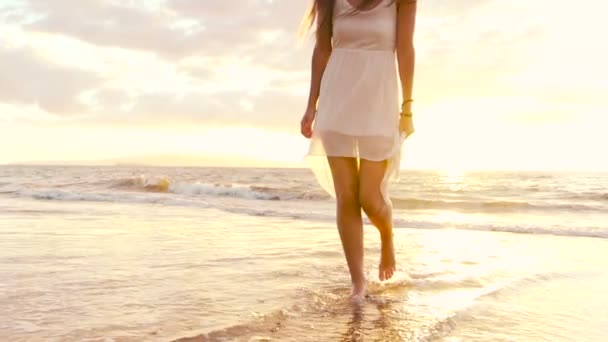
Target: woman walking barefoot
363	49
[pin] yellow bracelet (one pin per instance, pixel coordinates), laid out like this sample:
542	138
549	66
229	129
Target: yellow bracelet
407	114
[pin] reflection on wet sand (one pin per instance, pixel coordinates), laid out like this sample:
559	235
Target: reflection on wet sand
380	318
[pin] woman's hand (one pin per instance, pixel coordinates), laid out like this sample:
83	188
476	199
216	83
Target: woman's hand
306	123
406	125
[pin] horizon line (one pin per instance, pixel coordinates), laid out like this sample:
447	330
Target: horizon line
281	166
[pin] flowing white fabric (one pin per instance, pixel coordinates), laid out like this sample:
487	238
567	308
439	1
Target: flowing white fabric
358	109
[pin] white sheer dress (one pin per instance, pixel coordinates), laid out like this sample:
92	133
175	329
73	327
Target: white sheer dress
358	108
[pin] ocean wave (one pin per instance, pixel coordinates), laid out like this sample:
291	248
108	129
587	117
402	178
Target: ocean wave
484	206
589	196
594	232
295	210
151	184
8	188
232	190
65	195
157	193
159	184
293	194
584	201
165	185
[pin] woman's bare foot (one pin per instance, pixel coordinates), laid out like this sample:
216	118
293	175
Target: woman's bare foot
358	292
388	265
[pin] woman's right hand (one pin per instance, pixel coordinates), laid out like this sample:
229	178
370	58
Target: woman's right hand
406	125
306	123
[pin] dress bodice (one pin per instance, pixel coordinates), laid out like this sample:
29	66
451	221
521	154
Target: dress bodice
372	29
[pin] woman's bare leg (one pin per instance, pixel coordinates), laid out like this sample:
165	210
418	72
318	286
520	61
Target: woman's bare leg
349	218
378	211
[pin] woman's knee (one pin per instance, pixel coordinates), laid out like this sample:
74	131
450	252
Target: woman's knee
372	203
348	198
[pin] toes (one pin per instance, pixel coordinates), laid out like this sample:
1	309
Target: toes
386	274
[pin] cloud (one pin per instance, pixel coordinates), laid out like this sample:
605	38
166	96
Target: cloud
269	109
28	79
173	29
141	62
245	60
125	24
103	55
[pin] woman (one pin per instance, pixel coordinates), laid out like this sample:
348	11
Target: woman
363	49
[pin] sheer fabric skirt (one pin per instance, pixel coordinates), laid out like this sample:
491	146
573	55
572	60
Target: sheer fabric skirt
357	114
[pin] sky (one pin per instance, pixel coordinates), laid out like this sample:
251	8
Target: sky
513	85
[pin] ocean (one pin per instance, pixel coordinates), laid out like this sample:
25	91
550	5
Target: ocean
130	253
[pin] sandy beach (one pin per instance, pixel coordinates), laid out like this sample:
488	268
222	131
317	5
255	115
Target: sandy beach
228	267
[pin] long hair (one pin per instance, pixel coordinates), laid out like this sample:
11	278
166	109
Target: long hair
321	12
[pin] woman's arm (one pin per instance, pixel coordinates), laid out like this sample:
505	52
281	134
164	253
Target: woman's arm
320	56
406	20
